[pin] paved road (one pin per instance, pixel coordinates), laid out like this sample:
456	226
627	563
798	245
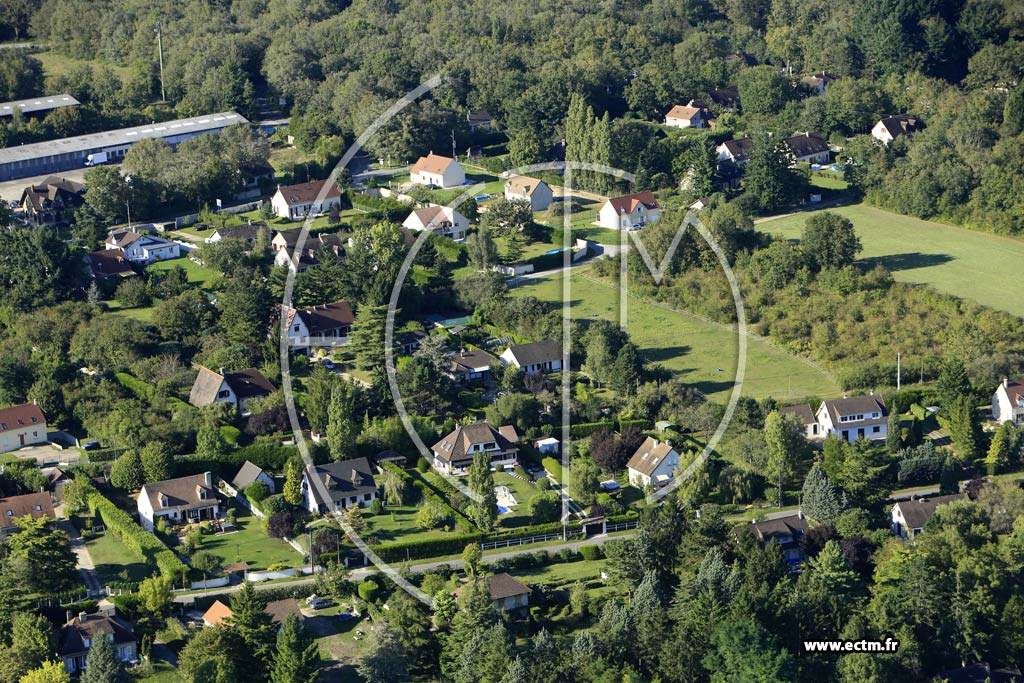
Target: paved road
86	568
366	572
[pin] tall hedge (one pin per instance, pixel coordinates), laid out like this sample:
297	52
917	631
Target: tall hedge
140	542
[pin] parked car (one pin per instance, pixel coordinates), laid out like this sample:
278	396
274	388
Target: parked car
90	445
318	603
328	363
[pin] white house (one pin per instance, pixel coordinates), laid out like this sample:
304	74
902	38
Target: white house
21	425
296	201
802	413
507	594
690	115
470	365
435	170
324	326
236	388
339	485
857	417
440	220
808	148
454	453
654	464
910	516
142	248
179	501
891	127
629	211
524	188
1008	402
542	356
818	82
736	151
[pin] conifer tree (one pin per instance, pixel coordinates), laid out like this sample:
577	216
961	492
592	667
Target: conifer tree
297	658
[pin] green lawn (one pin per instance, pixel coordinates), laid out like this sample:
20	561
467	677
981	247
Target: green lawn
560	573
60	65
114	562
965	263
142	314
397	523
250	544
522	491
197	274
162	672
694	349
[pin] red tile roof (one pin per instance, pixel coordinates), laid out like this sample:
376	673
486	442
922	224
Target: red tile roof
24	415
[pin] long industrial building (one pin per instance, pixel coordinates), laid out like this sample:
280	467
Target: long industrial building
37	105
55	156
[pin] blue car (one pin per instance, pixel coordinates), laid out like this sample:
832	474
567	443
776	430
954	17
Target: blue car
328	363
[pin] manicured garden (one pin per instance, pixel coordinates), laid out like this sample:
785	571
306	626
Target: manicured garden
250	543
961	262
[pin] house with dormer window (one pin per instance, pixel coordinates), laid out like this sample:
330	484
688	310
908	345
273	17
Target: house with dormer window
339	485
21	425
856	417
455	452
78	635
179	501
629	211
654	464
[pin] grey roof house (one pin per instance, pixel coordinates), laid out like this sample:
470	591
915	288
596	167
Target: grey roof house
454	453
339	485
78	634
542	356
249	474
909	517
236	388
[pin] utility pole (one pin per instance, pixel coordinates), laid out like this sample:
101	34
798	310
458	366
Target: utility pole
897	371
160	50
453	144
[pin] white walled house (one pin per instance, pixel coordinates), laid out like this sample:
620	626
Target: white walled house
179	501
908	517
802	413
21	425
736	151
236	388
507	594
294	202
524	188
856	417
542	356
808	148
891	127
435	170
1008	402
454	453
338	485
690	115
325	326
79	633
440	220
654	464
249	474
629	211
142	248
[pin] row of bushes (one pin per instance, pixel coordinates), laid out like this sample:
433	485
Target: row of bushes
539	559
142	543
433	487
105	454
554	468
455	544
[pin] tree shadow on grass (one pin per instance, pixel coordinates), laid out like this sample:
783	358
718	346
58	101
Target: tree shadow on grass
907	261
665	353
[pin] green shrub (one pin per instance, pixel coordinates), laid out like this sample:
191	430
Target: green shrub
590	552
554	468
376	507
278	566
257	492
368	590
423	465
543	483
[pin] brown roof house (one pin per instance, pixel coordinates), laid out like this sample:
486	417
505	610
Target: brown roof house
179	501
318	327
654	464
786	531
470	366
339	485
454	453
78	635
435	170
726	99
891	127
507	594
542	356
21	425
34	505
218	614
297	201
817	82
51	202
1008	402
808	148
109	266
315	248
856	417
910	516
236	388
690	115
736	151
524	188
805	416
629	211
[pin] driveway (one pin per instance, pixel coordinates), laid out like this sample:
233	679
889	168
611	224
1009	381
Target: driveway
48	454
86	568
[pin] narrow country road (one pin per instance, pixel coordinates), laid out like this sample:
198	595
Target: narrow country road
86	568
366	572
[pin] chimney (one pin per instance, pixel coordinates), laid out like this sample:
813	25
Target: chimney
208	478
35	402
81	616
69	617
800	513
222	373
1006	382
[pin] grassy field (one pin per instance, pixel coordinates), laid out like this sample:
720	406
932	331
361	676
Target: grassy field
250	544
561	573
114	562
694	349
397	523
59	65
969	264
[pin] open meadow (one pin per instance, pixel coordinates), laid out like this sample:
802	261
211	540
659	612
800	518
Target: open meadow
702	353
965	263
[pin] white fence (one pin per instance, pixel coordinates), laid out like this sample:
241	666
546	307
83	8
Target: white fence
211	583
513	542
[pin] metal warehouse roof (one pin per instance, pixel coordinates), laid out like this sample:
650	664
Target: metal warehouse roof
34	104
122	136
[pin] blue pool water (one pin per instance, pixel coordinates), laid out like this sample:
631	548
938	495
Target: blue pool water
554	251
502	510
